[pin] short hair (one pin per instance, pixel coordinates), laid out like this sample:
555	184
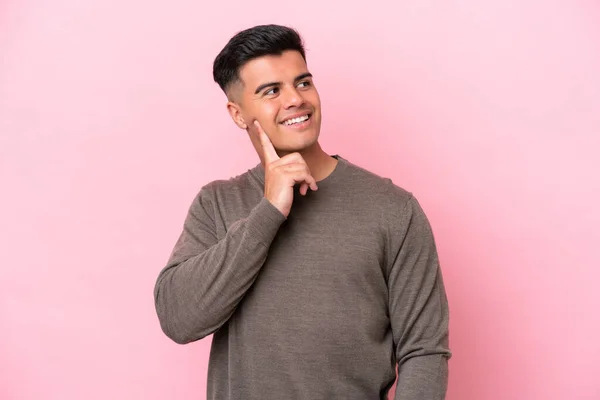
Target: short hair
252	43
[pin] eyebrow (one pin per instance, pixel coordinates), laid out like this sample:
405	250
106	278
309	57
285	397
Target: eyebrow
269	84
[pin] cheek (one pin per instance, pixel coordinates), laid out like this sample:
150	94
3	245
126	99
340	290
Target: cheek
268	112
314	99
263	112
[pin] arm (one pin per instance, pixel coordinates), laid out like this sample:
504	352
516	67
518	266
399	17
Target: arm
418	309
205	278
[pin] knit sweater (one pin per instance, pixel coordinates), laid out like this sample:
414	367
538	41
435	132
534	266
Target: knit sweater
323	304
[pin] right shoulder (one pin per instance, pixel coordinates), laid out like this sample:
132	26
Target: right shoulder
237	183
223	191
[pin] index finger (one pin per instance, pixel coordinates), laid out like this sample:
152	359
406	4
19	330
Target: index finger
268	149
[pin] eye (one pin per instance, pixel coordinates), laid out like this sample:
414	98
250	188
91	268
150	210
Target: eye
304	84
272	91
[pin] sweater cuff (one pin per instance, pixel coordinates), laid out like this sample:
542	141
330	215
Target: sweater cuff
264	220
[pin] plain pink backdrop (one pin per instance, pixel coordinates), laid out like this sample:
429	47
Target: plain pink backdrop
488	111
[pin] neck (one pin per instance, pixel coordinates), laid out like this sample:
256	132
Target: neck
319	162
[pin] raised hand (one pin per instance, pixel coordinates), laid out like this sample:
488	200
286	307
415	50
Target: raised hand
281	174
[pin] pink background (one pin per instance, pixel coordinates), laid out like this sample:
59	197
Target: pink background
488	111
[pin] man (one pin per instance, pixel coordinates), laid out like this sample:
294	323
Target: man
316	276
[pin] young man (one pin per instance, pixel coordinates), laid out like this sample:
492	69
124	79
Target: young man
316	276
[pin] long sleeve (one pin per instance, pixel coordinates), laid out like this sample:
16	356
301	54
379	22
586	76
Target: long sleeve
418	308
205	278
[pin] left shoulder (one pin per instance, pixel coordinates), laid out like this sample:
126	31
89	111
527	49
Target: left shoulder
396	204
383	189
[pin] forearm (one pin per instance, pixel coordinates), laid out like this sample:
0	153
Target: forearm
423	378
195	296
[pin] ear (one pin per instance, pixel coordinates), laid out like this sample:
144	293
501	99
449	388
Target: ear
236	115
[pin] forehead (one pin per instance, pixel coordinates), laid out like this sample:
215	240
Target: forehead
272	68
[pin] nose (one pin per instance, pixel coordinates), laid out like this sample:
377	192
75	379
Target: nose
292	98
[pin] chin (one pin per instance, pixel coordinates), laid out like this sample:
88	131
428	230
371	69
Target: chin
298	145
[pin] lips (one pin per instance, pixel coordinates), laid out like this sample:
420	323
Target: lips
296	118
296	121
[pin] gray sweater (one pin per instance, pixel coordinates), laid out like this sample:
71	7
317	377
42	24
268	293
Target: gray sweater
320	305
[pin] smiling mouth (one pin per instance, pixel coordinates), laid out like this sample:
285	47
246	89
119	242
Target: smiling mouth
297	120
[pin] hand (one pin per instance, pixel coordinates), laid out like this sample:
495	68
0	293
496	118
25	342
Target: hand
281	174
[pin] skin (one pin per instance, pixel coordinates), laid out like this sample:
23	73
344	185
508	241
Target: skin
272	89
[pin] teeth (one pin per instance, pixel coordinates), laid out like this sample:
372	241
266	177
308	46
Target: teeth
296	120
